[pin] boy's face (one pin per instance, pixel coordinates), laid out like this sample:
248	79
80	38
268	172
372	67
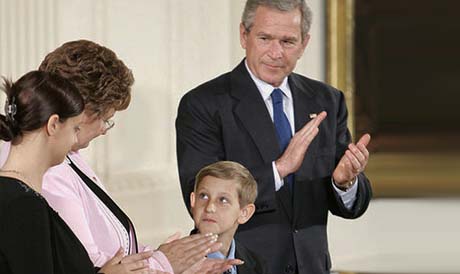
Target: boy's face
216	208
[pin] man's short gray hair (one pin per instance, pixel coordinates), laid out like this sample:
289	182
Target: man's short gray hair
281	5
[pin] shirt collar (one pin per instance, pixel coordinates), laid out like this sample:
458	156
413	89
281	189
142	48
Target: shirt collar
71	153
219	255
231	255
266	89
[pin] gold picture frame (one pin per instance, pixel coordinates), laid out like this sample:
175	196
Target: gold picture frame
395	174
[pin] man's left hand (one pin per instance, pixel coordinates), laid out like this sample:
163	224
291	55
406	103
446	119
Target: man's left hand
353	162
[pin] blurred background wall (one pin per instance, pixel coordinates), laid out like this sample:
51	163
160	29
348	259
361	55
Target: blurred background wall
172	46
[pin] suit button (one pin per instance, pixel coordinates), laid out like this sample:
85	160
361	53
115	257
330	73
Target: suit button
289	269
295	231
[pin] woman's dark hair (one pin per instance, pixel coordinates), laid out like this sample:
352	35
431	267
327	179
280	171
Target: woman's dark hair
31	100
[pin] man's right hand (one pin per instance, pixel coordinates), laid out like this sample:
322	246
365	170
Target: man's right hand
294	154
185	252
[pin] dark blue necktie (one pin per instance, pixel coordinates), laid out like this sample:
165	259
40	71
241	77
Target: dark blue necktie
282	126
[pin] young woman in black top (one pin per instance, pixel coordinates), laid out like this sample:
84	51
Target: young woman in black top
42	117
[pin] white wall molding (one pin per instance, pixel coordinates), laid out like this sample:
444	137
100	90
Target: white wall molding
27	33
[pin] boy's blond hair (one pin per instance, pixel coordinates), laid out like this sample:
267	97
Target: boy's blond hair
228	170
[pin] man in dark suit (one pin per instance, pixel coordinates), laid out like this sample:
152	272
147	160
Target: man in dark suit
288	130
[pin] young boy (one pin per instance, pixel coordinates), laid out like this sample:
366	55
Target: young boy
222	199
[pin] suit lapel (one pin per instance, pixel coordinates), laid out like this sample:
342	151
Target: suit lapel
253	113
304	105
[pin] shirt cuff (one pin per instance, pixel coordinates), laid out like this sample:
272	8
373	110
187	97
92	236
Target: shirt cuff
348	197
158	261
278	181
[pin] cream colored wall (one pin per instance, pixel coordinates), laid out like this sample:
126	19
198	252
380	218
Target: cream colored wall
172	46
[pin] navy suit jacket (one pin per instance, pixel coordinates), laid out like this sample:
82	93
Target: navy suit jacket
226	119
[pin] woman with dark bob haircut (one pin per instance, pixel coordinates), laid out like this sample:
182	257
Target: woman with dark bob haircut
43	112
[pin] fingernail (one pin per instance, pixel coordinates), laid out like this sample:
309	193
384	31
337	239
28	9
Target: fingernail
208	234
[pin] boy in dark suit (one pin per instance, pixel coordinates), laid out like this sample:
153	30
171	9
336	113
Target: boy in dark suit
223	198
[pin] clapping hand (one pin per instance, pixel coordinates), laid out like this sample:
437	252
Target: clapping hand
353	162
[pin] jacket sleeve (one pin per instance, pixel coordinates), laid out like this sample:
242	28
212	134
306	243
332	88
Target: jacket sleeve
364	194
200	142
158	261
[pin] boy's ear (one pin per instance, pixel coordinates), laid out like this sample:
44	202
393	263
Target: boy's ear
246	213
52	125
192	199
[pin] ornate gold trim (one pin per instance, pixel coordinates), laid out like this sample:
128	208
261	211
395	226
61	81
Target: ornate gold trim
339	71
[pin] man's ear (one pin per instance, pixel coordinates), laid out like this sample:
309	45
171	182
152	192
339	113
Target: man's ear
305	41
192	199
246	213
52	125
243	36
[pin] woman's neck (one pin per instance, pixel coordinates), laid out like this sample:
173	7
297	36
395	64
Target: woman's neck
28	162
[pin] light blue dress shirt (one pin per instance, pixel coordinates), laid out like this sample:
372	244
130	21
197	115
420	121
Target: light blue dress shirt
231	255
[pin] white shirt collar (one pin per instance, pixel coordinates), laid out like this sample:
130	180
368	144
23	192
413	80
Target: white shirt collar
266	89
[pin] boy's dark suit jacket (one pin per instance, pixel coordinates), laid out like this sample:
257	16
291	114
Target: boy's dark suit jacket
226	119
253	264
